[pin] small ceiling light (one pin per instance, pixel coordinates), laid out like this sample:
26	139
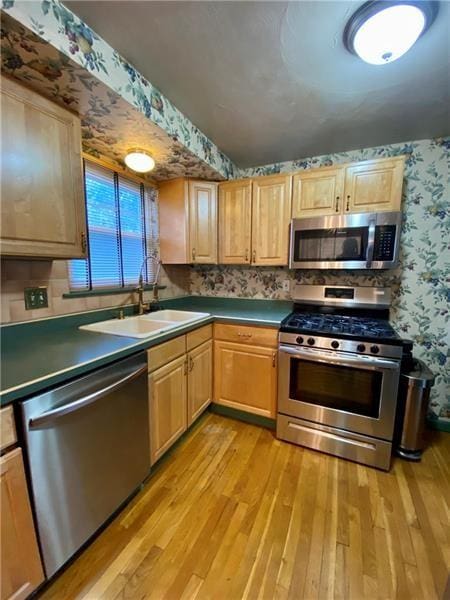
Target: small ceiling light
381	31
140	161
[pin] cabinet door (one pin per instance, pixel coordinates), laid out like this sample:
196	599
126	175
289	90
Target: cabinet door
271	213
203	222
199	380
318	192
245	377
20	561
374	185
42	184
235	222
168	410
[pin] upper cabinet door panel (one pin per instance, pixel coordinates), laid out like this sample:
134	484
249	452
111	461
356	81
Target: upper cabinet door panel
235	214
374	185
203	222
42	182
318	192
271	212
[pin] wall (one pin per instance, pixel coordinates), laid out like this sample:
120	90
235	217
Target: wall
19	274
420	285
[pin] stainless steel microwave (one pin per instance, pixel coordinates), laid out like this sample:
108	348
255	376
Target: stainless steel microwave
357	241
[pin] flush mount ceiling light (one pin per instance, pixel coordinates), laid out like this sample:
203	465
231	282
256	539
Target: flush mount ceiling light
139	160
381	31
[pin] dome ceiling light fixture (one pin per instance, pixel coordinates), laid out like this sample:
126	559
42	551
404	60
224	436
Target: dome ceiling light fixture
140	161
381	31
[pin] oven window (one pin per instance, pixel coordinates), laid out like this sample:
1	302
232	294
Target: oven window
343	388
348	243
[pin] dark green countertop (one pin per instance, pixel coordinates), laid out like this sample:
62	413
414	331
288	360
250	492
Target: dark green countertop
39	354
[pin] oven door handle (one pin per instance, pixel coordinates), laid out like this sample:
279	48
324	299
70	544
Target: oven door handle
370	363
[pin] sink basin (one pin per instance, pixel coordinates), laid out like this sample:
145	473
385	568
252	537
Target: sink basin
136	327
175	316
145	326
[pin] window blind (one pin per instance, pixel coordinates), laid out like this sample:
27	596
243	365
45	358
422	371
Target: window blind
122	229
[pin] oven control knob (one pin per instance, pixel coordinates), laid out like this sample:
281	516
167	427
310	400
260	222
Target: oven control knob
311	341
374	349
300	340
361	348
335	344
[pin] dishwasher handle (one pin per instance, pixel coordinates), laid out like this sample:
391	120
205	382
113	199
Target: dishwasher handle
60	411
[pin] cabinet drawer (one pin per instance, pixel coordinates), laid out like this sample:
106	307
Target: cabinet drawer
198	336
245	334
164	353
8	429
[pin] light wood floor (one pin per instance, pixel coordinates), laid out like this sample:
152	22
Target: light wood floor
233	513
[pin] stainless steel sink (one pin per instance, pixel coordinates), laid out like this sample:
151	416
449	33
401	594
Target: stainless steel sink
146	326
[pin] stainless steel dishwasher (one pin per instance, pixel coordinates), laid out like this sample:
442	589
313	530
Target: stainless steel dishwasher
88	450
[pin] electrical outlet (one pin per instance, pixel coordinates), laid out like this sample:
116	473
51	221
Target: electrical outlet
285	286
35	297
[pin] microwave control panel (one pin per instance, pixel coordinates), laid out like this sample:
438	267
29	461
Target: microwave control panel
384	244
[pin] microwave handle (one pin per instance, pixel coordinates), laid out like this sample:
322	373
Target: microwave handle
370	243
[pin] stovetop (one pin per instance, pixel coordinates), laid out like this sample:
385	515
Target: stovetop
341	327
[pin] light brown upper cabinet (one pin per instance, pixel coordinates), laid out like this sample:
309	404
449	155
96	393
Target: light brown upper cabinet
235	222
188	221
374	185
43	209
271	213
318	192
366	186
254	217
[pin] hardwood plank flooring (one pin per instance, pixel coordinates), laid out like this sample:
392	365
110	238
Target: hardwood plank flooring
234	513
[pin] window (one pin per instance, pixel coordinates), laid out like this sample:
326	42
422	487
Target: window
122	229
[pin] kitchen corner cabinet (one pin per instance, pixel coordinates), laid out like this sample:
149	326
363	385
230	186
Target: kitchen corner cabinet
180	386
245	368
43	208
366	186
235	222
188	221
20	560
254	220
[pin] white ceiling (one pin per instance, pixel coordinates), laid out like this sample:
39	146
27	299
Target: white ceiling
272	81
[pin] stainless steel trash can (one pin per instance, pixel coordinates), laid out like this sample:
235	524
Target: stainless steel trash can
414	395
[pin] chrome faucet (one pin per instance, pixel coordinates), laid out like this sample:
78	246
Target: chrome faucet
143	306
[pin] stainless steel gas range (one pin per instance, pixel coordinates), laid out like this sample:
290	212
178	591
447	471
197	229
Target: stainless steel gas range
339	366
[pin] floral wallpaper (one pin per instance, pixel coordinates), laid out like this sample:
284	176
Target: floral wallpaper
51	50
420	285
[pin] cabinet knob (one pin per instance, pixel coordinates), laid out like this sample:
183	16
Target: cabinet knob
348	203
337	204
274	359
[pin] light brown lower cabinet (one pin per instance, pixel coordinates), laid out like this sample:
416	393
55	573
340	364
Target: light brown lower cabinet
181	389
21	568
199	380
245	373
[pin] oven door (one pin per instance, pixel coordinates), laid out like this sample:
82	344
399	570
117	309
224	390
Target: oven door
343	390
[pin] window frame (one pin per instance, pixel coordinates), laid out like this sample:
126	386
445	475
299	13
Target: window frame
150	233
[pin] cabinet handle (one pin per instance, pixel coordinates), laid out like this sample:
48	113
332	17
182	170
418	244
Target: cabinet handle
191	363
193	254
246	255
274	359
83	243
245	335
337	204
254	256
348	203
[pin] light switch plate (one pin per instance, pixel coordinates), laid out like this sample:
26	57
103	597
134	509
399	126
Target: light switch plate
285	285
35	297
